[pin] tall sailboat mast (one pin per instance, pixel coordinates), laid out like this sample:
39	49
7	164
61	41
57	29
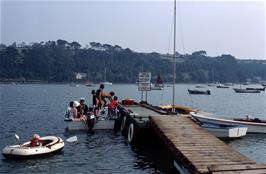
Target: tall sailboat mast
173	108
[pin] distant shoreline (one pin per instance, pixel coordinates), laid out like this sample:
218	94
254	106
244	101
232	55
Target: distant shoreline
18	82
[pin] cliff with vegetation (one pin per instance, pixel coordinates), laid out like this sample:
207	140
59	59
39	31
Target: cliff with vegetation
60	61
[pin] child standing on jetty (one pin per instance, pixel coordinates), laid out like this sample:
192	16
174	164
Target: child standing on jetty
112	106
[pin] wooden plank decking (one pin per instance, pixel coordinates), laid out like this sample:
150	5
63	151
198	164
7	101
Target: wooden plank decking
198	150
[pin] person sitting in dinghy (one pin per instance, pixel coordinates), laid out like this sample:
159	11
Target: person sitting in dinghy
36	141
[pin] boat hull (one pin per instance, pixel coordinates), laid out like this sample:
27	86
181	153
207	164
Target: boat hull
207	92
252	127
221	131
260	89
107	83
222	86
245	91
156	88
80	125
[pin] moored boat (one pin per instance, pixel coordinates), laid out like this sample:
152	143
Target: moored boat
105	82
159	84
222	86
253	127
239	90
260	89
50	145
196	91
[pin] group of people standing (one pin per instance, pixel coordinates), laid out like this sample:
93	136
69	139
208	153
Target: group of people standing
78	110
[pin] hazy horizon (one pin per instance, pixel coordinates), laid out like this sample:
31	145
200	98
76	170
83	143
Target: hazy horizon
224	27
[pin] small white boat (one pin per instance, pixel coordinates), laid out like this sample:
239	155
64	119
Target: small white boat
222	86
50	145
106	83
253	127
224	131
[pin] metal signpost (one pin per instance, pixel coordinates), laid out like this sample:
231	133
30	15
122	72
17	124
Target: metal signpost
144	83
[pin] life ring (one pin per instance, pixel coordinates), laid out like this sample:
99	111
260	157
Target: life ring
130	133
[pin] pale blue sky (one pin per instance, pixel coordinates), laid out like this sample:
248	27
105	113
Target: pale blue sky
225	27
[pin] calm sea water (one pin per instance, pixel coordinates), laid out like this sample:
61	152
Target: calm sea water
27	109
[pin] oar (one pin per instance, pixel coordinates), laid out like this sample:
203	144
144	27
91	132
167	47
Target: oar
18	140
72	139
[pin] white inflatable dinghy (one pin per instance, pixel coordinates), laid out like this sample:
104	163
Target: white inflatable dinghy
50	145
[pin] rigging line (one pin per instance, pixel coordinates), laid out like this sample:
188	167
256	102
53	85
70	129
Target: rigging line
162	96
181	27
171	32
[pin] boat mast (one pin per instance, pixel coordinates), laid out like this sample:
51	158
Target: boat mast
173	109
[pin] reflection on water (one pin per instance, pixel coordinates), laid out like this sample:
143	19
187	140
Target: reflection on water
28	109
252	145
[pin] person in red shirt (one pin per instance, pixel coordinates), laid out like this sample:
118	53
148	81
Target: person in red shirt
112	106
36	140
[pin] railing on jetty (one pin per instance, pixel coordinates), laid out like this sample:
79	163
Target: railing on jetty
199	151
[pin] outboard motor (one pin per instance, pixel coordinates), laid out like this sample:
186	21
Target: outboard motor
67	113
91	119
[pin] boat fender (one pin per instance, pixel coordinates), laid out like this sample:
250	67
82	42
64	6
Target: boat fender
123	124
130	135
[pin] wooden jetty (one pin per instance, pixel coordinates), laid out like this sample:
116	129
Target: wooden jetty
198	151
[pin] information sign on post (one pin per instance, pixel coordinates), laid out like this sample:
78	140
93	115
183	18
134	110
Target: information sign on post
144	81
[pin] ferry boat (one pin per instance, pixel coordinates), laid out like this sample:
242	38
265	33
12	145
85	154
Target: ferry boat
103	121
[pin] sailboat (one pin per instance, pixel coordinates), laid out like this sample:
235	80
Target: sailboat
213	83
159	84
106	82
